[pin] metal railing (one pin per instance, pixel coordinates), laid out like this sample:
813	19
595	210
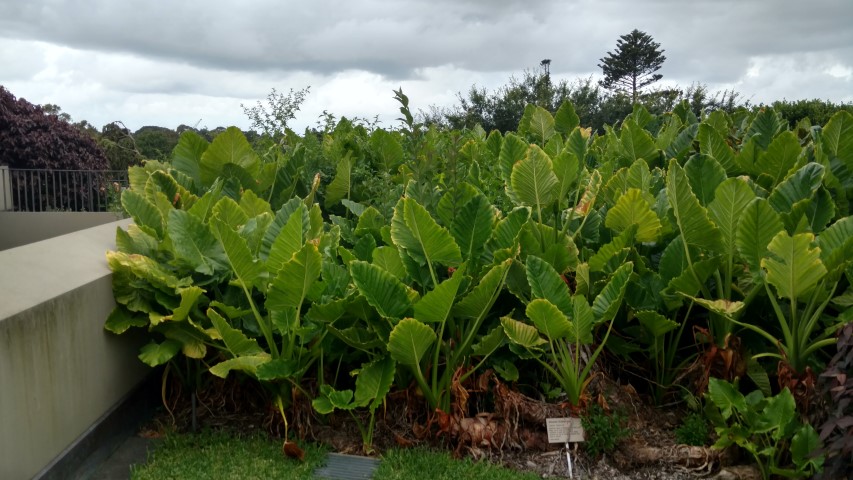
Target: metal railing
32	190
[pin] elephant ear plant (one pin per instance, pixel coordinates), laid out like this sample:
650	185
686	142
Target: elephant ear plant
567	323
217	274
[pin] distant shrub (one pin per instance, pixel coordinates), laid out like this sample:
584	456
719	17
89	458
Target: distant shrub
32	138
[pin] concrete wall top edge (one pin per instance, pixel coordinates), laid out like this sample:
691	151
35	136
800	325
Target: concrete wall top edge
35	273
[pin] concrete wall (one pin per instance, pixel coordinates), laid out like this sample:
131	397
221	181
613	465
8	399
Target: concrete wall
59	369
21	228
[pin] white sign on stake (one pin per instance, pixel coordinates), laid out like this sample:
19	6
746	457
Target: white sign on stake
564	430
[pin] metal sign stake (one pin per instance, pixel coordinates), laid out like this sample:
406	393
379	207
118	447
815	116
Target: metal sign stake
569	461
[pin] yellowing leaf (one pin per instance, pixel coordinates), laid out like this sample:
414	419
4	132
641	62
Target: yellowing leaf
633	209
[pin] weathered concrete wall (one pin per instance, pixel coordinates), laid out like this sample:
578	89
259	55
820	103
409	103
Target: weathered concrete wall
21	228
59	369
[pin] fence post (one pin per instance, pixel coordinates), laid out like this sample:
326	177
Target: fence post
5	189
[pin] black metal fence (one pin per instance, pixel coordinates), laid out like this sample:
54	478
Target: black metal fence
31	190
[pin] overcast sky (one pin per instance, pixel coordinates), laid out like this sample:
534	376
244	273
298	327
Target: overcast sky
194	62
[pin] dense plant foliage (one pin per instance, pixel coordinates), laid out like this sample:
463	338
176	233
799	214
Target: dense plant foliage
686	247
30	137
767	428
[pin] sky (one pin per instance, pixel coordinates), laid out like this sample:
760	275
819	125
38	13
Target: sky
195	62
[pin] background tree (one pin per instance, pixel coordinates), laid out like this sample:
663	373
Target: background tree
271	118
119	146
633	64
155	142
32	138
502	109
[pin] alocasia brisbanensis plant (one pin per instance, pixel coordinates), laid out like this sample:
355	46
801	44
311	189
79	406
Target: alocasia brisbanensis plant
767	428
567	323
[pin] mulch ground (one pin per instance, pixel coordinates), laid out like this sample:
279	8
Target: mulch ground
496	424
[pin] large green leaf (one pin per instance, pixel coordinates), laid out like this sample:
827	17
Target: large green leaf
712	143
136	240
155	273
673	260
247	364
489	342
638	143
331	399
692	219
545	283
566	166
342	184
533	179
778	412
229	147
290	239
190	296
121	319
803	444
243	265
389	259
690	281
705	175
607	303
800	185
793	266
758	224
766	124
154	354
781	156
237	343
726	308
282	216
836	145
374	382
521	333
453	199
513	151
548	319
836	244
253	205
730	201
726	397
192	338
472	226
480	299
583	320
409	341
413	229
565	120
143	211
613	250
382	290
295	279
195	244
541	125
656	324
633	209
229	211
506	231
435	305
186	157
203	208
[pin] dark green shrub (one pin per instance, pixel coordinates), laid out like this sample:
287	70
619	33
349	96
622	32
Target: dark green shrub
693	430
603	431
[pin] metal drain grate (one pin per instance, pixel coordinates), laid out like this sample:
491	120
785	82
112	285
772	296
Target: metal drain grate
347	467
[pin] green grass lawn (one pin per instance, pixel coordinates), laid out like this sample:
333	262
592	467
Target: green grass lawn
218	455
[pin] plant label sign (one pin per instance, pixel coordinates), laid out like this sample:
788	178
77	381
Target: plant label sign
564	430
